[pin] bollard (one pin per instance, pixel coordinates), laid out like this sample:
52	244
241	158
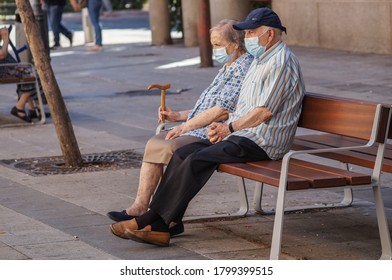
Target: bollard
87	27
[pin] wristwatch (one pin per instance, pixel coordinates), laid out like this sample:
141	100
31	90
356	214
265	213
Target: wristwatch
231	127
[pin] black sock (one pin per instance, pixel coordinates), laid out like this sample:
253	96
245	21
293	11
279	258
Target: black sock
147	218
160	225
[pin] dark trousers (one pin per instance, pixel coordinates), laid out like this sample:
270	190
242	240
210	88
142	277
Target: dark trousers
94	8
190	168
55	14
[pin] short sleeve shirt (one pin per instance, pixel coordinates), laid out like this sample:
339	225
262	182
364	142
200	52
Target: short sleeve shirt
223	91
273	81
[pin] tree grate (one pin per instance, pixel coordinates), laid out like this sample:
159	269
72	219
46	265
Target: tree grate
42	166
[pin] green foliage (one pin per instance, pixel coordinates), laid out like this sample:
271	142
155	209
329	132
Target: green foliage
265	4
175	15
7	7
7	10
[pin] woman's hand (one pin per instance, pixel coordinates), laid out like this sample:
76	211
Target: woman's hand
168	114
176	132
217	131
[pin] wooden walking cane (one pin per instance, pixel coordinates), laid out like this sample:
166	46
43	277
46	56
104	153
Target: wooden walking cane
163	89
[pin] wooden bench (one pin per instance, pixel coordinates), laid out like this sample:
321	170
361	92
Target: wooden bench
367	126
17	76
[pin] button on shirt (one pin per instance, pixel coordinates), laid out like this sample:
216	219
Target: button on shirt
222	92
273	81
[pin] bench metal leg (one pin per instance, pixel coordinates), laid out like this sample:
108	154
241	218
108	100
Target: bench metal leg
244	205
277	232
385	237
348	192
258	197
40	103
346	201
383	228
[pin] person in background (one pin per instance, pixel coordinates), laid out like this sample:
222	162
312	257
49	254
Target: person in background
55	10
94	9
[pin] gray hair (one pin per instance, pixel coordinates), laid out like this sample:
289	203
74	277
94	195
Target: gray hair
278	31
225	28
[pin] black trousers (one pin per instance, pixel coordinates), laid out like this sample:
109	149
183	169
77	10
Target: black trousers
190	168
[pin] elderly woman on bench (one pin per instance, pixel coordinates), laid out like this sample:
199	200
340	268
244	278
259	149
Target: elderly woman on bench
214	104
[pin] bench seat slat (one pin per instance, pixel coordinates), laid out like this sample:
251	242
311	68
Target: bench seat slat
262	175
316	178
352	157
16	80
340	141
352	178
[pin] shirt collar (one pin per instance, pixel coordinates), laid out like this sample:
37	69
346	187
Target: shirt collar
270	52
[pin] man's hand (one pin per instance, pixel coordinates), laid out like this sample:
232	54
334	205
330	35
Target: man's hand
217	131
168	114
176	132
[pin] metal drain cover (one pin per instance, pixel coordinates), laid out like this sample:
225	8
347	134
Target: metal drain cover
91	162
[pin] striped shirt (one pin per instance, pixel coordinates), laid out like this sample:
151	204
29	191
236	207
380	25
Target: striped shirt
273	81
222	92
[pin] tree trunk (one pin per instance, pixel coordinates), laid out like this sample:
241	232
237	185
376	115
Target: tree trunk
58	111
203	31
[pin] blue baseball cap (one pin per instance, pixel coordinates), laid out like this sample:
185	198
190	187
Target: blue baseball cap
259	17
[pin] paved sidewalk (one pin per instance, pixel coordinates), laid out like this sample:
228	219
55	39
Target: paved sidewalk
63	216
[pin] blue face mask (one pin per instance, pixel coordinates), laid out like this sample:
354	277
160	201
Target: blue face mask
253	47
221	55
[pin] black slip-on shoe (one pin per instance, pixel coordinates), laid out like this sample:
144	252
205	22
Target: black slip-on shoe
177	229
120	216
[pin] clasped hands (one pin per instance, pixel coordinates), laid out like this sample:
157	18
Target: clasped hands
216	132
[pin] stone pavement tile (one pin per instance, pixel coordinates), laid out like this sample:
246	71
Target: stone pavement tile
101	237
213	241
9	253
208	246
27	238
41	235
349	250
96	191
64	250
90	219
253	254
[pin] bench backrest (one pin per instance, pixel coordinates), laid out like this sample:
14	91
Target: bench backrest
343	116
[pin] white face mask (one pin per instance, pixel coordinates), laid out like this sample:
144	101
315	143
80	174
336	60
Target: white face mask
253	47
220	55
